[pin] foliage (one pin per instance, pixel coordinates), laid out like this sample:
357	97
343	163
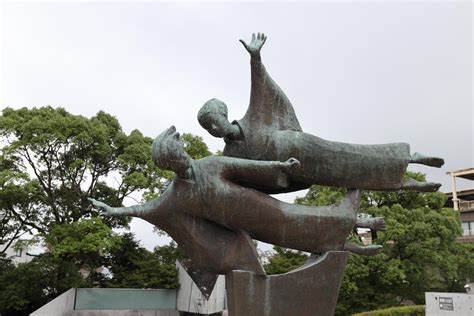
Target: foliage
415	310
420	252
51	161
28	286
194	146
135	267
83	243
284	260
17	192
70	158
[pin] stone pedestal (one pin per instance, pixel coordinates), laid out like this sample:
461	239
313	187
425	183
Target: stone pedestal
309	290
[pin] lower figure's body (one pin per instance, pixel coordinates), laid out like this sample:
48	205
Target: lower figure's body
305	228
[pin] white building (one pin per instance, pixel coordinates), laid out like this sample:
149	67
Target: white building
17	254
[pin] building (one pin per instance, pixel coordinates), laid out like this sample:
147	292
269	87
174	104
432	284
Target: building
17	254
463	201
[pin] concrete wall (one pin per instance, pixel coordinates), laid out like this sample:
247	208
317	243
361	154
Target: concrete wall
190	299
125	299
134	302
60	306
449	304
125	313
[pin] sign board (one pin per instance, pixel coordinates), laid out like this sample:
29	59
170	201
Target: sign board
446	303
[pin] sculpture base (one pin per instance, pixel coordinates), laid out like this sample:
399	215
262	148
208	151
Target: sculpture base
309	290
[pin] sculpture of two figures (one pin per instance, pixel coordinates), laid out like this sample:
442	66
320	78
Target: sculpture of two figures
216	205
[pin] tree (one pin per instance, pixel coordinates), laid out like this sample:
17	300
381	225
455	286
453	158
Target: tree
51	161
17	212
84	243
132	266
70	158
83	247
28	286
284	260
420	252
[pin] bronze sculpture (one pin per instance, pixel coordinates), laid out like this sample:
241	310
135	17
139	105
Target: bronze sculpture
216	205
210	189
270	130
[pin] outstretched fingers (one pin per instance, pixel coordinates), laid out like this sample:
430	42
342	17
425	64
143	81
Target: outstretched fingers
100	205
261	37
245	44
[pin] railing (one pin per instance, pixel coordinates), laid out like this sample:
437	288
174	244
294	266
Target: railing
468	233
466	239
465	205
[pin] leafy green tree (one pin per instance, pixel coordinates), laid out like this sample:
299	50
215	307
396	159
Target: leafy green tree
51	161
194	146
420	252
17	210
83	243
82	247
133	266
70	158
28	286
284	260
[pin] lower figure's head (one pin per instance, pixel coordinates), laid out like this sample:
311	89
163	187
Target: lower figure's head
213	117
168	153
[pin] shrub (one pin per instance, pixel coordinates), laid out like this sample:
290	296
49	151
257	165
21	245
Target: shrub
416	310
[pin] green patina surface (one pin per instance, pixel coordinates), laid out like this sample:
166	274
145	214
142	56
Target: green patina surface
112	299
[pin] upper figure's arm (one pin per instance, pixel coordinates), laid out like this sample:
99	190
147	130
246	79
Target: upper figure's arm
256	173
268	103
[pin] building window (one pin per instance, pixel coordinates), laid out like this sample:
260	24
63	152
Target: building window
467	228
18	252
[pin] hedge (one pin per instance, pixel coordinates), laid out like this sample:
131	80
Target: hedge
416	310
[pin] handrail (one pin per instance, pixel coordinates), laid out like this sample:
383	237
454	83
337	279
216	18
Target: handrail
463	205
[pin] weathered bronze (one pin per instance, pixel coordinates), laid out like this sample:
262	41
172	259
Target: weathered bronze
216	205
208	193
309	290
270	130
213	217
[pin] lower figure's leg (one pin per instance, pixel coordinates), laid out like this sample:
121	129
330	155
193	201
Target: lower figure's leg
370	250
373	223
411	184
427	160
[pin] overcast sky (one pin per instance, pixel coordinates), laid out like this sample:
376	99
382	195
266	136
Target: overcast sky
359	72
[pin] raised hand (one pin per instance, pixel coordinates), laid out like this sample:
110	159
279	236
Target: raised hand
255	44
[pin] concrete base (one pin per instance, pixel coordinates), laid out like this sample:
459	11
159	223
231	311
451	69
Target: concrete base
125	313
310	290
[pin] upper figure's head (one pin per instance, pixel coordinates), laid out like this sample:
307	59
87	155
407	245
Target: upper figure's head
168	153
213	117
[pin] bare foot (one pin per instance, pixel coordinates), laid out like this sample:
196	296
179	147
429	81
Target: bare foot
427	160
373	223
370	250
411	184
